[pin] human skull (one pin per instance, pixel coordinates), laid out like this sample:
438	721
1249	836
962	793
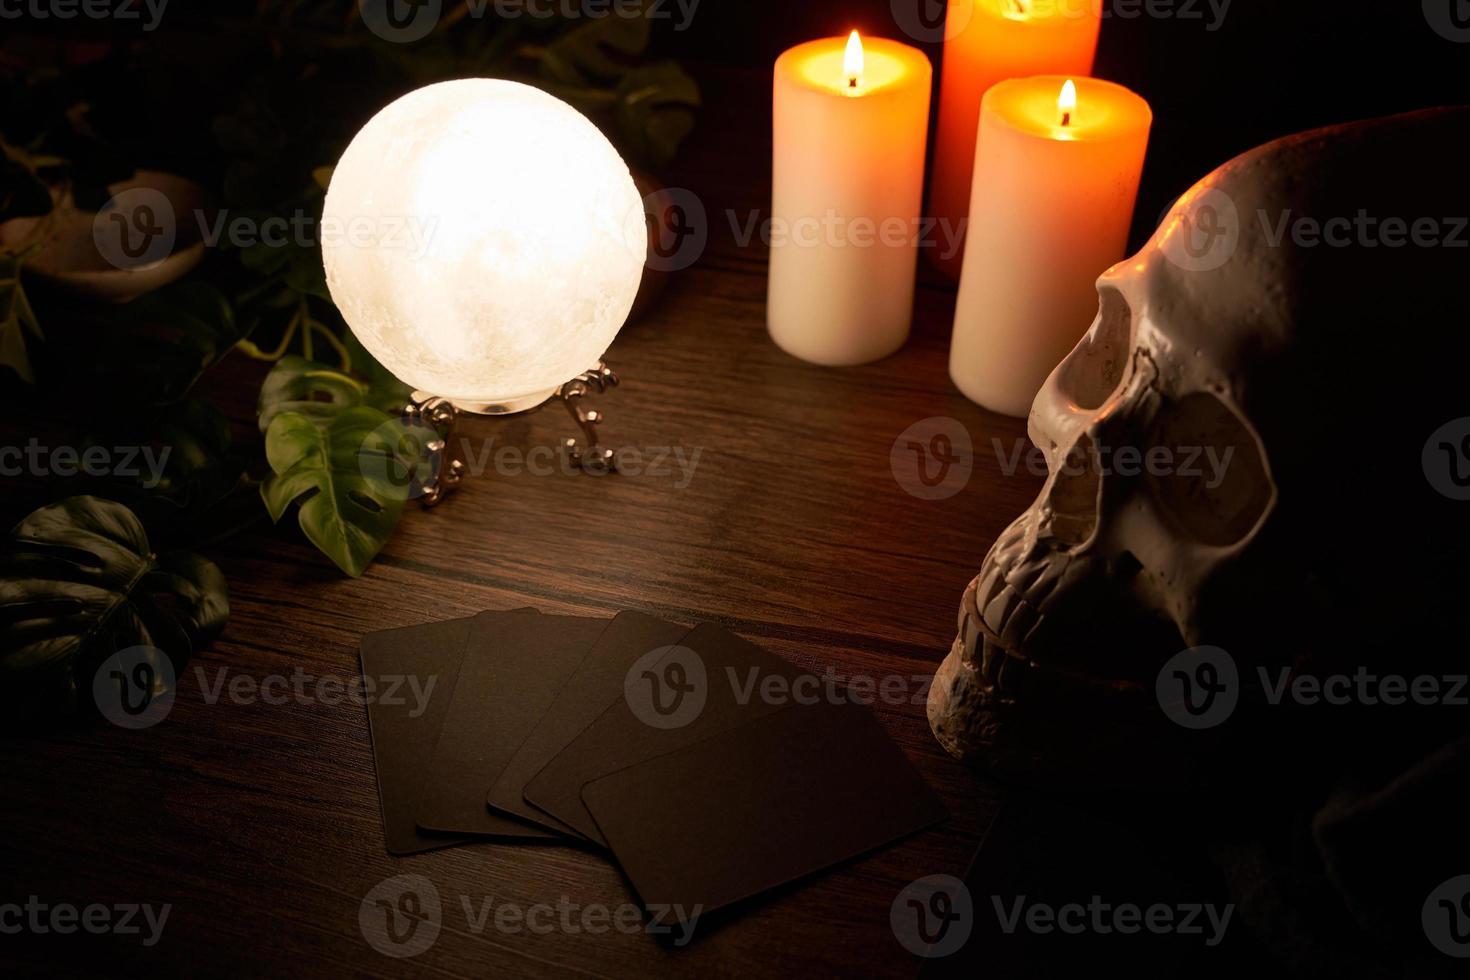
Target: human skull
1234	455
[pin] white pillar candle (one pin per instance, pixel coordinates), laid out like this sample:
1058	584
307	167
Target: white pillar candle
1056	179
851	125
989	41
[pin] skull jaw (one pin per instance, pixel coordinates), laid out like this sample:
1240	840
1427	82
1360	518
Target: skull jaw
1063	745
959	708
995	709
977	725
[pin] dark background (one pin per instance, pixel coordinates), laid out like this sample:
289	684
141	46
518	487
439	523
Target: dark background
1273	67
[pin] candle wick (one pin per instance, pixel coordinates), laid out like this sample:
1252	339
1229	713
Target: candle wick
1066	119
852	82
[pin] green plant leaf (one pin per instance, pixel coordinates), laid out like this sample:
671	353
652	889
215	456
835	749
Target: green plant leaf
598	49
341	473
187	483
126	362
656	107
263	257
78	583
321	393
298	264
152	351
17	319
305	273
309	389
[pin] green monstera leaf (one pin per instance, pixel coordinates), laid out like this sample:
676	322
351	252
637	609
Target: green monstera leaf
599	67
598	48
656	107
79	583
351	476
321	393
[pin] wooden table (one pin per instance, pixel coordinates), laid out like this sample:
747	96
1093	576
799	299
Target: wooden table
260	823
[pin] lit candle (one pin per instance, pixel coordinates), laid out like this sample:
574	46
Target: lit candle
1056	179
851	124
990	41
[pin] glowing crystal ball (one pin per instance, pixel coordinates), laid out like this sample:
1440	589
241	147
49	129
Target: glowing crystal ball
484	241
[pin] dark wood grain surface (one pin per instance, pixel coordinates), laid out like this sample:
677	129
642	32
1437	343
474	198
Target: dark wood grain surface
260	823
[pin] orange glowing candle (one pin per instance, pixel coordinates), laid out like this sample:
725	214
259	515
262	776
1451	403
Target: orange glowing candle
850	133
1056	180
989	41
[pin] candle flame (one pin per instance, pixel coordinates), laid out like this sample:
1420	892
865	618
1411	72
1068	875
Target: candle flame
854	61
1067	102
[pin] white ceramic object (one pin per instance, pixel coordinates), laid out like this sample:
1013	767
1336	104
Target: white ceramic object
147	236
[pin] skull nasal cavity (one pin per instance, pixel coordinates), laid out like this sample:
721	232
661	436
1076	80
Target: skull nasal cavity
1074	495
1093	371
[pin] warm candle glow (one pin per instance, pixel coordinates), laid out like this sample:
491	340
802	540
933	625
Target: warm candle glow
850	115
1027	289
1000	40
1067	102
852	62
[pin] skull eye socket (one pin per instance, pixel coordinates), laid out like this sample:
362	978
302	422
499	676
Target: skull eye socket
1096	368
1215	485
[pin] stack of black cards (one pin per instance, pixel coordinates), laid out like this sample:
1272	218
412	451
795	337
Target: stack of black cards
709	768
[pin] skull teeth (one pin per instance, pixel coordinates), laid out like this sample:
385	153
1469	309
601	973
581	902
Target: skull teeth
1046	583
992	576
1022	621
988	663
999	609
